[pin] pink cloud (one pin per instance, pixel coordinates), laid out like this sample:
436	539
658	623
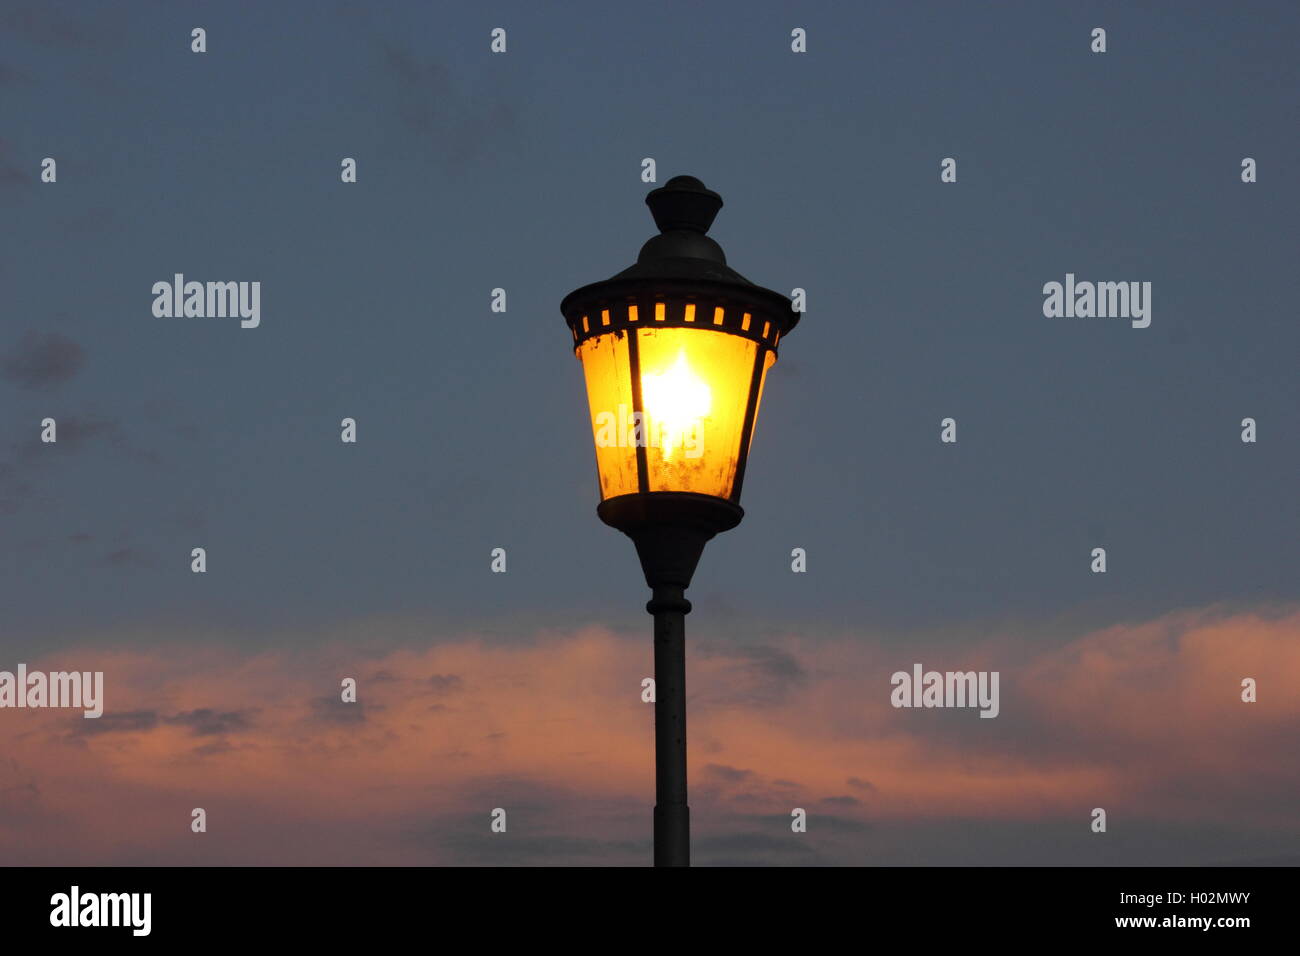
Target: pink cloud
1144	719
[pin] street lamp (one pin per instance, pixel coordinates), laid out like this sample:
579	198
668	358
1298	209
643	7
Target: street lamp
675	350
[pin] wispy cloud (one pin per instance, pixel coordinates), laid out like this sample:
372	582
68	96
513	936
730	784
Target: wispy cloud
50	25
1142	719
459	128
12	172
11	76
41	360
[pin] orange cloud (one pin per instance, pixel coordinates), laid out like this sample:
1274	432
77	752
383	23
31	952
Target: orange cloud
1143	719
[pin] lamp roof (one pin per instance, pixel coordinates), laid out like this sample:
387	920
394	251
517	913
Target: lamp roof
682	254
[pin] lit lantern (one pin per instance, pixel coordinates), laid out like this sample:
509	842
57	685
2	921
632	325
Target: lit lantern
675	350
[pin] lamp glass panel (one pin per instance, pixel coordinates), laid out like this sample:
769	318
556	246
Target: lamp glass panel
694	390
768	361
605	365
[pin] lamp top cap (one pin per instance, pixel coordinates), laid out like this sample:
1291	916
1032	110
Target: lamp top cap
683	203
682	259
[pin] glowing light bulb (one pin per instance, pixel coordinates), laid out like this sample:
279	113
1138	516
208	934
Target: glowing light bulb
676	402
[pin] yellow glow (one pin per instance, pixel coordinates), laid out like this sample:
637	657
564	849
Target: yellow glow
677	400
609	395
694	389
695	383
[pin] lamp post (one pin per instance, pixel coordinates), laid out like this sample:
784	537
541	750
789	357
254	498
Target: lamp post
674	350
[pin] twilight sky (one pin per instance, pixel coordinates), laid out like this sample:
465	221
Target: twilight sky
521	690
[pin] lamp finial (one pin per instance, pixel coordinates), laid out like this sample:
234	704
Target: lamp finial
683	203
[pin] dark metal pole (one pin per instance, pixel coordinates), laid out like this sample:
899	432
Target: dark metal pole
672	816
670	530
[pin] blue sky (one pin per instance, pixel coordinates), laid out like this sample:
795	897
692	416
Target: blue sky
522	171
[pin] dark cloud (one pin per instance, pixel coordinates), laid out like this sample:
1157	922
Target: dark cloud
727	774
842	801
431	81
468	840
11	172
768	840
843	825
207	722
774	844
19	792
128	558
430	104
540	827
333	710
131	721
525	794
213	749
758	674
773	662
859	784
48	26
73	432
12	77
446	684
